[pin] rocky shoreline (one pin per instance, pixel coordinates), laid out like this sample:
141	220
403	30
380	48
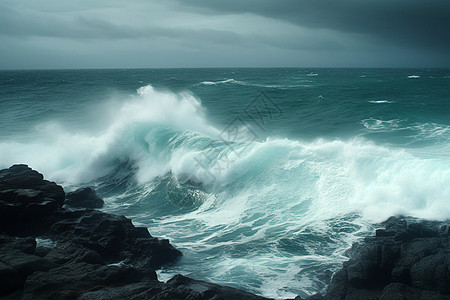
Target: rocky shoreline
56	246
409	259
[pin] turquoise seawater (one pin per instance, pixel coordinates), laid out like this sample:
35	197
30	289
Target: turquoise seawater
262	177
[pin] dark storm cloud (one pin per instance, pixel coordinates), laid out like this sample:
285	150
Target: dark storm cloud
13	23
204	33
75	26
419	23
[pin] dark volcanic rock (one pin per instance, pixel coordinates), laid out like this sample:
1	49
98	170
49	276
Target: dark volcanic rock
113	238
85	198
17	261
177	288
403	261
26	200
86	250
134	291
10	279
72	280
181	287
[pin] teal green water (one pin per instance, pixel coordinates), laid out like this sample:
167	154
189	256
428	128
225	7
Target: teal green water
262	177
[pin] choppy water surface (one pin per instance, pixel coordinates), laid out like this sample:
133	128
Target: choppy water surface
262	177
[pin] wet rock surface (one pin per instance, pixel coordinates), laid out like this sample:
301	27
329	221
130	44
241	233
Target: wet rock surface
85	249
84	197
179	287
27	200
409	259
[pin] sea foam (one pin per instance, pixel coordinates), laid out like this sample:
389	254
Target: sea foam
269	205
161	132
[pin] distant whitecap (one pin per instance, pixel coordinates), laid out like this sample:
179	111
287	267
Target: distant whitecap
380	101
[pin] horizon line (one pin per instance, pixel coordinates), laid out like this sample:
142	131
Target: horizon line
186	68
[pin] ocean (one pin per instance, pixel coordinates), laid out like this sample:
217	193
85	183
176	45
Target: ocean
261	177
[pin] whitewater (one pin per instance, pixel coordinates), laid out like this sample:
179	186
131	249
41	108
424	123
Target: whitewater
262	178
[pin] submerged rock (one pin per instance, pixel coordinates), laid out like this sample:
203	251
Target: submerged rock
85	198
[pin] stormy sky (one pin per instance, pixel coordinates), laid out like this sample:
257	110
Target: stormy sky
203	33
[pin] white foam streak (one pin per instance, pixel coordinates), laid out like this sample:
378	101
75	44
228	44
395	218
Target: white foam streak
244	83
380	101
423	131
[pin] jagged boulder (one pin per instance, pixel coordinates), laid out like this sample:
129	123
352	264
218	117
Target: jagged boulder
26	200
85	198
84	250
72	280
409	259
18	260
114	238
177	288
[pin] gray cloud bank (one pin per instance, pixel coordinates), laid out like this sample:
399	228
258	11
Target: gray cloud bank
412	22
202	33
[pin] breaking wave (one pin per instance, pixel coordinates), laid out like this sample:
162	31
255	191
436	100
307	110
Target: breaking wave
287	206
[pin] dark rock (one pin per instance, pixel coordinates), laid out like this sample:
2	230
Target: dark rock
134	291
371	265
26	264
114	238
337	290
67	252
407	260
316	296
181	287
432	273
399	291
177	288
42	251
26	200
10	279
81	251
419	230
25	245
394	224
415	250
401	275
384	233
19	254
445	230
72	280
17	261
84	198
19	171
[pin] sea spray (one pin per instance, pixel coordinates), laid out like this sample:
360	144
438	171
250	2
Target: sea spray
350	149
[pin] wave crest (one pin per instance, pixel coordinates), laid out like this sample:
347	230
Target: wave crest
244	83
161	132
